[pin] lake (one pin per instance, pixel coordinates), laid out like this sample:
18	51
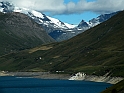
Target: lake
33	85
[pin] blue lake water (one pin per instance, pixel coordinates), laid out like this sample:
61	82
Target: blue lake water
33	85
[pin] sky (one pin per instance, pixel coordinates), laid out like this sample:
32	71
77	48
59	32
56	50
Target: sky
71	11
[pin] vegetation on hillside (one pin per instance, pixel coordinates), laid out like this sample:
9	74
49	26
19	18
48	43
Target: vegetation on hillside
98	51
117	88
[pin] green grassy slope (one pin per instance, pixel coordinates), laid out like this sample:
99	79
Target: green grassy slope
96	51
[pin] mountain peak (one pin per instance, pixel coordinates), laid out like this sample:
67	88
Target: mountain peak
6	7
83	24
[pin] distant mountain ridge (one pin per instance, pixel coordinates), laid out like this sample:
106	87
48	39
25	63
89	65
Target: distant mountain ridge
95	21
55	28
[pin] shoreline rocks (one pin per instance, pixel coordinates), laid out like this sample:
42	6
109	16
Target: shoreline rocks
105	78
3	73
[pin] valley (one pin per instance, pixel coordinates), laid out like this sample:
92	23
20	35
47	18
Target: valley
31	42
96	51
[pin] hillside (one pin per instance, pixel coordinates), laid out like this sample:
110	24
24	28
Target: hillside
118	88
98	51
18	32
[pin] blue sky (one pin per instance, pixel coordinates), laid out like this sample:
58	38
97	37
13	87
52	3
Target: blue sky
76	18
71	11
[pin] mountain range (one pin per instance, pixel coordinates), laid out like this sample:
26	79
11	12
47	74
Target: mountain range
97	51
55	28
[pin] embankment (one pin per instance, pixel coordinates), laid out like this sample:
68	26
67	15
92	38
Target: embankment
105	78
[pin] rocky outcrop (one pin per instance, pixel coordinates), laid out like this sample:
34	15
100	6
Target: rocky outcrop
105	78
3	73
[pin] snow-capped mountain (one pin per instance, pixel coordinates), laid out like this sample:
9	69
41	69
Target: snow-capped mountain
6	7
37	16
55	28
101	18
83	25
95	21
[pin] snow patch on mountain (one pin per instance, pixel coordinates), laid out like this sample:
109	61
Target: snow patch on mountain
70	25
38	14
57	22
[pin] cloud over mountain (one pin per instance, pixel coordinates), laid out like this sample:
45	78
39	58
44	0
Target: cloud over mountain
60	7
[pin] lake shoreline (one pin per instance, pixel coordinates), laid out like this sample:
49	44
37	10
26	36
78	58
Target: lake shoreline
48	75
41	75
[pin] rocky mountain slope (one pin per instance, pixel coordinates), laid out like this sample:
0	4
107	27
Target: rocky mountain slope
55	28
18	32
95	21
97	51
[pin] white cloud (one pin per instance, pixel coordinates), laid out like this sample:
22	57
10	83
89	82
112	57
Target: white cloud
55	6
99	6
59	7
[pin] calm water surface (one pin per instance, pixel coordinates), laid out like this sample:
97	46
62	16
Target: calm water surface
32	85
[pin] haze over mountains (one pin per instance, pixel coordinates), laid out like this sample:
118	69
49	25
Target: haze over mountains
55	28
